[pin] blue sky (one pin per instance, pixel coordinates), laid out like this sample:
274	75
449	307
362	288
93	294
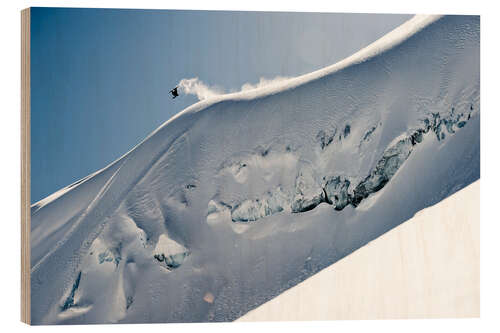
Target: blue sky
100	78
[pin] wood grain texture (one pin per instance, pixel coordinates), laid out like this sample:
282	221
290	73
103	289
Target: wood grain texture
25	166
428	267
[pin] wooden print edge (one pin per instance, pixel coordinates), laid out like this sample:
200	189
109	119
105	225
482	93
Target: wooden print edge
25	167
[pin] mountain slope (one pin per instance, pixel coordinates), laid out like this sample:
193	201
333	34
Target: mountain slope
242	196
427	267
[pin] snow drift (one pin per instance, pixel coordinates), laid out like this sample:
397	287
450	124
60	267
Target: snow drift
242	196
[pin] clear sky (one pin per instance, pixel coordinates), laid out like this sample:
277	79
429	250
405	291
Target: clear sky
100	78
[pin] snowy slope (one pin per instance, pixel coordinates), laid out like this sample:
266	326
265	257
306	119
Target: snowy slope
394	276
242	196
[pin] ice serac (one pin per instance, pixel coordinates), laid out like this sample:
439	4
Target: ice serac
242	196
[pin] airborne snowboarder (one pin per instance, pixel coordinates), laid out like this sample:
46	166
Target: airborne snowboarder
174	92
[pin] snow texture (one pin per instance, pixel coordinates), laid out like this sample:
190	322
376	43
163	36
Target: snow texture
242	196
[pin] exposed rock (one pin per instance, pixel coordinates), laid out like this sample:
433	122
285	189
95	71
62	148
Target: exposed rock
169	252
336	192
70	301
347	130
324	138
308	194
252	210
386	167
172	261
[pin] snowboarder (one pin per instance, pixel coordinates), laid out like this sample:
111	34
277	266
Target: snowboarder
174	92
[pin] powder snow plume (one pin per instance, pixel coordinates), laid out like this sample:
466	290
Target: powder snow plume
197	87
263	82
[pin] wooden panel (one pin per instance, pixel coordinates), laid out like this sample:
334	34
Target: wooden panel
25	166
